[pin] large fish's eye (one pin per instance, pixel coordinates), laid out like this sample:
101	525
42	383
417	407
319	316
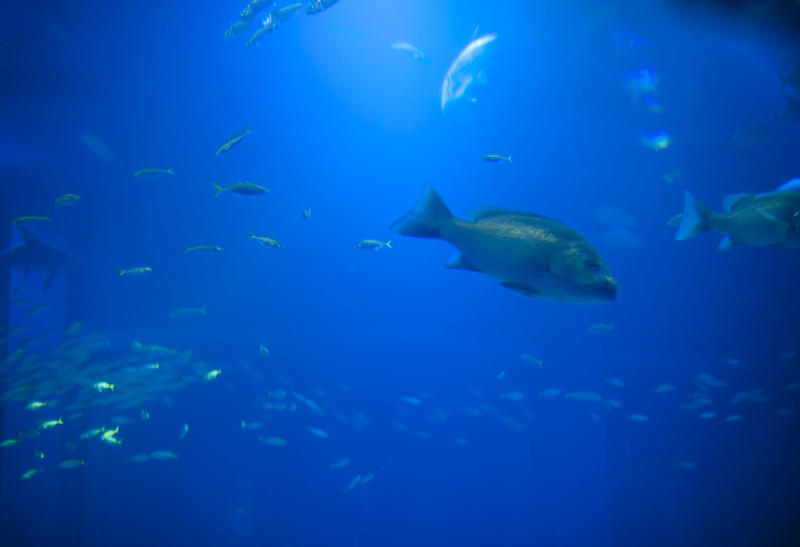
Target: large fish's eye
593	266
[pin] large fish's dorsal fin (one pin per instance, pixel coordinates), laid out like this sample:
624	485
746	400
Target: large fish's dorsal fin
29	238
490	211
736	201
791	186
460	262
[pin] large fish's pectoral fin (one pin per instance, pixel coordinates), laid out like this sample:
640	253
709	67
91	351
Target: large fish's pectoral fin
779	224
521	288
727	244
460	262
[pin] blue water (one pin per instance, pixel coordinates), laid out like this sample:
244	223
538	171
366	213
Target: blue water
354	130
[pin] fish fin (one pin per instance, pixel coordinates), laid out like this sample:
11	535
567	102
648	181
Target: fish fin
521	288
27	236
388	243
734	201
247	128
460	262
426	219
783	225
489	211
695	218
675	221
791	186
727	244
509	159
171	171
218	189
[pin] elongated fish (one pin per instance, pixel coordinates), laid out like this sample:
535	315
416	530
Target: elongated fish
771	219
243	188
531	254
412	50
233	141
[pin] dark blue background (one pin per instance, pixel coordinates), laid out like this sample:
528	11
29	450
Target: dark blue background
353	129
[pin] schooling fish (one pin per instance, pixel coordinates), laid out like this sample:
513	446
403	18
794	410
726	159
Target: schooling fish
242	188
496	158
531	254
151	172
233	141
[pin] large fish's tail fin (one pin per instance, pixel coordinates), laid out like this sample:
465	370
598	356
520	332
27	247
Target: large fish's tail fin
695	218
426	219
218	189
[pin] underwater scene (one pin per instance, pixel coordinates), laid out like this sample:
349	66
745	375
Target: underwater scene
400	272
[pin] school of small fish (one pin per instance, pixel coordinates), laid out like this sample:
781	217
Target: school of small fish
91	389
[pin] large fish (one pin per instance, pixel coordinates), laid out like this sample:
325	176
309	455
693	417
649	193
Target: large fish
771	219
529	253
33	254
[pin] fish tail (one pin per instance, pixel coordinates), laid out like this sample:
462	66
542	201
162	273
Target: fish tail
218	189
122	271
171	171
247	128
695	219
388	243
509	159
426	219
203	310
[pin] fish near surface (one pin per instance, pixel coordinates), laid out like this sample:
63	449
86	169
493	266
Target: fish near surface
771	219
534	255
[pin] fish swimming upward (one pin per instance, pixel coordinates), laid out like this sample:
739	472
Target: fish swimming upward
531	254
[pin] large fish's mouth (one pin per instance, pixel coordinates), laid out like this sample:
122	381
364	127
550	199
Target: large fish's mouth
607	290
